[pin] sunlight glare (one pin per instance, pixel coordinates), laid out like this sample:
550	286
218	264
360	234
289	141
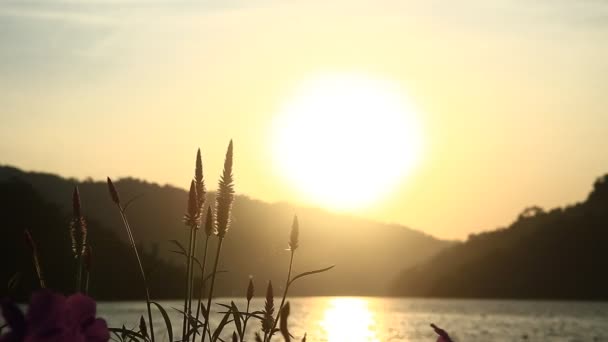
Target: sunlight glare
345	140
349	319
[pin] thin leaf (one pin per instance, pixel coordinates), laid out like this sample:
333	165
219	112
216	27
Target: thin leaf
127	333
167	320
256	314
129	202
237	318
229	307
283	322
200	267
220	326
193	330
117	335
211	274
142	327
309	273
195	323
14	281
123	333
204	310
179	245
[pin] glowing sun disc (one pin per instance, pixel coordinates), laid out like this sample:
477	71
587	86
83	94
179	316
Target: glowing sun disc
344	140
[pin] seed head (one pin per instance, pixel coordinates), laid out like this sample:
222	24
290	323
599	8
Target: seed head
78	234
269	305
209	226
295	234
225	195
193	214
113	192
250	290
268	321
200	181
78	226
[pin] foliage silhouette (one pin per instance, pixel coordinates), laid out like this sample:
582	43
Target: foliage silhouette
24	208
556	254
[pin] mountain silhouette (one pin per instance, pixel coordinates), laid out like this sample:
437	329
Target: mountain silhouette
367	254
556	254
114	274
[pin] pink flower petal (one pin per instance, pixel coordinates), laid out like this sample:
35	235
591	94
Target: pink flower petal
97	331
80	311
46	314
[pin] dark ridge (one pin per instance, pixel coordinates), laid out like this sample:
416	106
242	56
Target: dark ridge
367	254
555	254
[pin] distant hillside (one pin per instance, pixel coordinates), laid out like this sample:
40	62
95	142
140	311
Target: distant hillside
113	275
368	255
559	254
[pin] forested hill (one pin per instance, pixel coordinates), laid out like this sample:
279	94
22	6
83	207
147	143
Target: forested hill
368	255
556	254
114	274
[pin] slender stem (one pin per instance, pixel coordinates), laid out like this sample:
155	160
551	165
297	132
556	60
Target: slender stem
191	283
186	321
200	296
38	270
79	272
274	324
217	260
79	254
244	332
86	283
141	269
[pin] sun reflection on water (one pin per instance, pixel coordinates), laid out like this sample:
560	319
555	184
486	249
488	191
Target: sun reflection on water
349	320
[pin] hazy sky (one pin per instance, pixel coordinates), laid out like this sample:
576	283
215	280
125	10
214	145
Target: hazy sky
512	95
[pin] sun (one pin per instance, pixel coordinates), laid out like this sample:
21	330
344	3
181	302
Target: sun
344	141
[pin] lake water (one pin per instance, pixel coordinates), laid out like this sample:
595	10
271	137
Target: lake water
359	319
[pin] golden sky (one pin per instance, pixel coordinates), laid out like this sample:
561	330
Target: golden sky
511	94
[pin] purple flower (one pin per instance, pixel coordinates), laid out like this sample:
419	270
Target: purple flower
443	335
53	318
